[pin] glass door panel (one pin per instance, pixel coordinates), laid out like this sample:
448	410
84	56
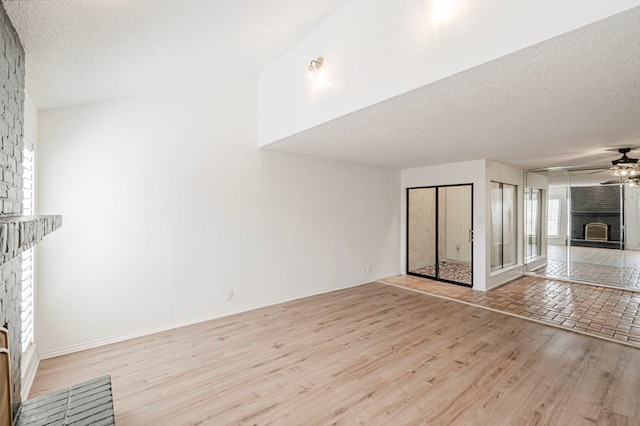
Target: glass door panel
421	231
496	226
455	233
510	226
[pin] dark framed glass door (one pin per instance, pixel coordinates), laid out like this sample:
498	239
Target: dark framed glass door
440	233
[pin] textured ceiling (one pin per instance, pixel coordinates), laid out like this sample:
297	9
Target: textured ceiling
561	102
81	51
565	101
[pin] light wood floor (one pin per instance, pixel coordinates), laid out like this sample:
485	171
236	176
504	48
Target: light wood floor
373	354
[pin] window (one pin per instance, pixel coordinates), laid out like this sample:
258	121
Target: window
504	248
27	256
553	222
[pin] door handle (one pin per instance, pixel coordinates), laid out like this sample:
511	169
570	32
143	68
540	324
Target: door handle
470	235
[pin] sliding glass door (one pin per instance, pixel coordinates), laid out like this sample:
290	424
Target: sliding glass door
439	233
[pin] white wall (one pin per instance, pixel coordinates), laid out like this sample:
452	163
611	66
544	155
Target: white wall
376	49
167	204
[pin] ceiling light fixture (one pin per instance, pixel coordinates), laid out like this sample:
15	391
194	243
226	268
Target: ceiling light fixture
627	169
314	66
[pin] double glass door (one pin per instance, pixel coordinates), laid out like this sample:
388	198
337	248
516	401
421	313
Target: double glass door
440	233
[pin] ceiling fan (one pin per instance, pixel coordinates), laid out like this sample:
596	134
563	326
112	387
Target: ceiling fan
625	169
624	159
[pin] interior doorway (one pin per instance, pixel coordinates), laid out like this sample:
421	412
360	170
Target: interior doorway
440	233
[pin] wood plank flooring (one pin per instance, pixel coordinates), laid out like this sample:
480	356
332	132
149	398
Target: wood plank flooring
372	354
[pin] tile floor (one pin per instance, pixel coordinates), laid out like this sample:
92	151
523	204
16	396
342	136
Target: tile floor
607	313
621	276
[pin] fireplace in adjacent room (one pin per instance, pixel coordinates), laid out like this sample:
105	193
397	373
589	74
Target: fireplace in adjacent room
595	217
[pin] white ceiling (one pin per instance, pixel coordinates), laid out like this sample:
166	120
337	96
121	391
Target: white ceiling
81	51
565	101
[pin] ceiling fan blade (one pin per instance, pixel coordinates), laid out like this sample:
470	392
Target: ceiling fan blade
598	171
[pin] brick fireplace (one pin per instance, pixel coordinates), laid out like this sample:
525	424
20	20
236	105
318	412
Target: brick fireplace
595	205
17	233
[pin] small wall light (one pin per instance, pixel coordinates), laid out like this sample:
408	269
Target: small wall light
313	67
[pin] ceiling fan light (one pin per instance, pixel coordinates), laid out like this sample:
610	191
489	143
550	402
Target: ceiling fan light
626	170
625	167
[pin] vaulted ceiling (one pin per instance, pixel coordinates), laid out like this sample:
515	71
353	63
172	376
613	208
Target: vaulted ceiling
570	100
80	51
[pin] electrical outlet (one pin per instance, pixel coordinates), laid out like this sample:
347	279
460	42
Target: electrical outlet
229	295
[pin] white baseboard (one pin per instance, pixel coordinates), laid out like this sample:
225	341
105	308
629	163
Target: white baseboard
140	333
30	365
